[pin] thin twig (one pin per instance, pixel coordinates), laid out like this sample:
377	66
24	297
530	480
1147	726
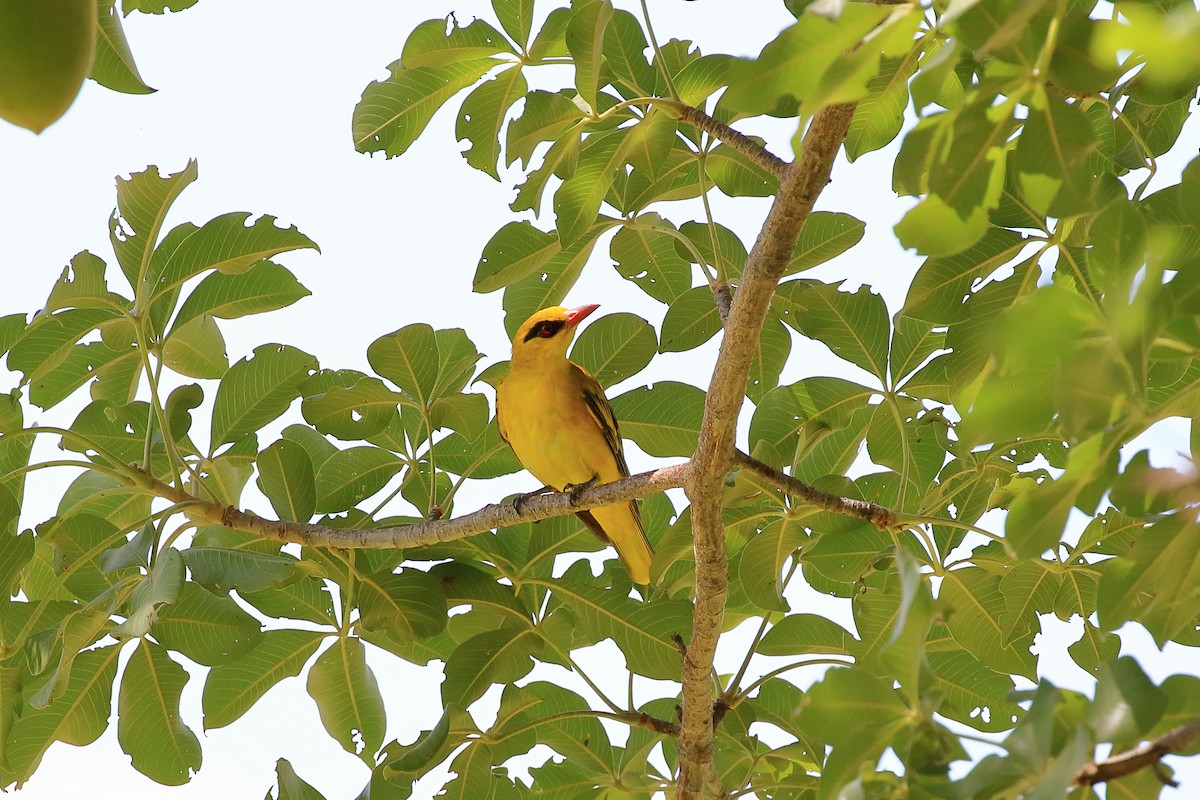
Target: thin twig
1144	755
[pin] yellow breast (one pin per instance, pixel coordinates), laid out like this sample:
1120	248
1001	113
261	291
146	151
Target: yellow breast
554	435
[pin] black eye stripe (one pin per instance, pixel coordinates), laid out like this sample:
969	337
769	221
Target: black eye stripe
545	329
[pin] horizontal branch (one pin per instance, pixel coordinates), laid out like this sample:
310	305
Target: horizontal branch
500	515
496	515
1140	757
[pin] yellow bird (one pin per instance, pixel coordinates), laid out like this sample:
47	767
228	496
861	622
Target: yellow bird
557	420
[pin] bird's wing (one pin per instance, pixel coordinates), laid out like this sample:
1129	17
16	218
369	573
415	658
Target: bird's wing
597	404
500	417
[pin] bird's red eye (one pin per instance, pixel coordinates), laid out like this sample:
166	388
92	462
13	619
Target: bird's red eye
547	329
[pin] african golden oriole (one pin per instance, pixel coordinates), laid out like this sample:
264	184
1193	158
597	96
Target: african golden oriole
557	420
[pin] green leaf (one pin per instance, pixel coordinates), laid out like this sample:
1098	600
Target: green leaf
760	563
663	419
393	112
360	408
791	66
466	413
644	252
142	203
266	286
1162	564
854	326
234	686
615	347
577	201
226	244
406	358
585	40
807	634
403	606
547	115
49	339
879	116
82	285
207	628
291	785
222	569
973	694
973	606
497	656
152	593
942	283
83	363
624	47
1052	158
691	320
113	66
515	251
1127	704
434	43
643	631
818	406
774	346
306	599
825	235
720	247
348	698
737	176
516	17
148	724
257	390
482	116
350	476
859	715
78	716
485	456
197	349
11	328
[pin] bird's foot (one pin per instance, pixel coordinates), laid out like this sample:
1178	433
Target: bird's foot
518	502
575	489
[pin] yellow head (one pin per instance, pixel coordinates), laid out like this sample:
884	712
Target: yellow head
548	333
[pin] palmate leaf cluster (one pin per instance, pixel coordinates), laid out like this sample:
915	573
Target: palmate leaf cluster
1052	322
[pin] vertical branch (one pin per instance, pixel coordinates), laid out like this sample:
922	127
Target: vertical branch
799	188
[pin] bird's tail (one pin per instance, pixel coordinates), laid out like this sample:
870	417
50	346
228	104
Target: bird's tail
621	526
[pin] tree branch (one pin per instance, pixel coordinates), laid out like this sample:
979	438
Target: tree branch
736	140
879	516
1140	757
496	515
499	515
799	187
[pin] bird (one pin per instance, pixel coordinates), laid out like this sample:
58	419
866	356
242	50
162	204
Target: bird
555	417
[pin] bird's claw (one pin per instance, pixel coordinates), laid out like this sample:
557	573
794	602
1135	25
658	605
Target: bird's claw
575	489
518	502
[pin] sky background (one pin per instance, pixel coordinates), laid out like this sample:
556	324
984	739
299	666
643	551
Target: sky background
261	94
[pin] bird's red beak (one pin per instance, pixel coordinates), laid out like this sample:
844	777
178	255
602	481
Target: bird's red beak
576	315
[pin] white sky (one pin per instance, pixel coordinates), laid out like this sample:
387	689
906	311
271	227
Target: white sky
261	94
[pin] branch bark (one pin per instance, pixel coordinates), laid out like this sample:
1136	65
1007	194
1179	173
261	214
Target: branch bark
499	515
1140	757
800	185
881	517
496	515
736	140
